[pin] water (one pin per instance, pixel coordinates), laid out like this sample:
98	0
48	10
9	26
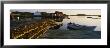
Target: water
82	20
63	33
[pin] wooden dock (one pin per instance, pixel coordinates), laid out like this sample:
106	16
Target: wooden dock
33	30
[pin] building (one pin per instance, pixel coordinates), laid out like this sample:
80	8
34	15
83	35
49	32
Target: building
37	13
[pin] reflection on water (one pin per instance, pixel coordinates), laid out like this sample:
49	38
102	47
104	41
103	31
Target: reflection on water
82	20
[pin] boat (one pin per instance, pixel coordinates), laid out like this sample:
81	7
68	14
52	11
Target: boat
73	26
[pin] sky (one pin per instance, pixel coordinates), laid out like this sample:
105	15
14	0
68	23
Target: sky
65	11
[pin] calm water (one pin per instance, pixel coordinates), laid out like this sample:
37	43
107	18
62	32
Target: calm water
83	20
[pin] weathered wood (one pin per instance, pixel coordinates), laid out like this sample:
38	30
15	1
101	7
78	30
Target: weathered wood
33	30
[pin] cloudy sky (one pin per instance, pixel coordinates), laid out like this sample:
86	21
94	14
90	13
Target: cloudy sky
65	11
